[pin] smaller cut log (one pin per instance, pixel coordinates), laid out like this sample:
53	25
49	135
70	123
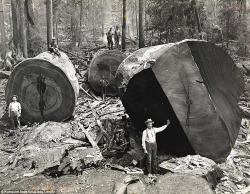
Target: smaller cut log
47	88
103	67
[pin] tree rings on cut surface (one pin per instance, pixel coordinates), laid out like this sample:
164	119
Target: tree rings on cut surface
103	68
46	86
193	83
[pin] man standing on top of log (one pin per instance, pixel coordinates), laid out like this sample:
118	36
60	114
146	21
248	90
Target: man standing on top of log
15	112
53	48
117	36
150	146
109	38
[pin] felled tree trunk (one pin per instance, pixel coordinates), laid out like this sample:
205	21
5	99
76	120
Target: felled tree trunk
47	88
196	85
103	67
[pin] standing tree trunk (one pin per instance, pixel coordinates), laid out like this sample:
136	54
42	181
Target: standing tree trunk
80	25
103	20
197	18
124	25
49	15
14	14
136	20
141	23
23	29
3	41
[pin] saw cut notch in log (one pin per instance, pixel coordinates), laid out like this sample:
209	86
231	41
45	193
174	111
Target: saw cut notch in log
193	83
47	88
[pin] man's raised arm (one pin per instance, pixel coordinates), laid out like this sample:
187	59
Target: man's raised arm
159	129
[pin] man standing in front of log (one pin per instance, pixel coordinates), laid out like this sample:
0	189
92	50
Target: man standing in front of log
15	112
149	144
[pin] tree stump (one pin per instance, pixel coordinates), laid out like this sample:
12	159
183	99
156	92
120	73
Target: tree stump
47	88
103	67
193	83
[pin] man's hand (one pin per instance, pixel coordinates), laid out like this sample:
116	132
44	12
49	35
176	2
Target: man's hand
168	122
145	151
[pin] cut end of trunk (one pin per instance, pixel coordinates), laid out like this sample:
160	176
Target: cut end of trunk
47	88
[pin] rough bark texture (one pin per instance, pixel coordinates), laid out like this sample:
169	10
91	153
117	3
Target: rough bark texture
104	65
49	16
141	23
3	39
47	88
14	15
23	29
124	15
193	83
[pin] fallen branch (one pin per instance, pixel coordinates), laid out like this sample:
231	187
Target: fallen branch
81	88
91	141
111	112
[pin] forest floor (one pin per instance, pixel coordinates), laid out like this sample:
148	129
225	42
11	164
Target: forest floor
95	180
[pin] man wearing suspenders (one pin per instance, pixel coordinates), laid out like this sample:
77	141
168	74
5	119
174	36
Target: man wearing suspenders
149	144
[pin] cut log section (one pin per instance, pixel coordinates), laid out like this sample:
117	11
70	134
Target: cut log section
193	83
103	67
47	88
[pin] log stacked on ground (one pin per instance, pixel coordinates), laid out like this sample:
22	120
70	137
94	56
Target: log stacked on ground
193	83
47	88
104	66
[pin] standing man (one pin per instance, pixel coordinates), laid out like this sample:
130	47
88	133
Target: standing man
103	83
109	38
117	37
15	112
149	144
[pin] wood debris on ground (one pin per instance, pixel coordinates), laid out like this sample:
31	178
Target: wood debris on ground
232	176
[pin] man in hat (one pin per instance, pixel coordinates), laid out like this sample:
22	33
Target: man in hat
109	38
53	47
149	144
15	112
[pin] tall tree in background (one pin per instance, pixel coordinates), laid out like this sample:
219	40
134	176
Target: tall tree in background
23	28
49	16
124	17
15	28
3	41
80	24
197	17
141	23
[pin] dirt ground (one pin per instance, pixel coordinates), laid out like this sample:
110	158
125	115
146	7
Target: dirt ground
91	181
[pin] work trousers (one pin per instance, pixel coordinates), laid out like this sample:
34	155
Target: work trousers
15	120
151	157
110	43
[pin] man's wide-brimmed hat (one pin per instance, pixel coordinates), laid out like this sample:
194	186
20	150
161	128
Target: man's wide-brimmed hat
14	96
149	121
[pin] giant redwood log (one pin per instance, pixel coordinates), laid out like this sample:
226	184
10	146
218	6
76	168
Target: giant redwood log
47	88
103	66
193	83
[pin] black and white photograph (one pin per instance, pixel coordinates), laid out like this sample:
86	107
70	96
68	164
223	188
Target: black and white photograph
125	96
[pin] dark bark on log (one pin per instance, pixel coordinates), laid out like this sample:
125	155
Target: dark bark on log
196	85
47	88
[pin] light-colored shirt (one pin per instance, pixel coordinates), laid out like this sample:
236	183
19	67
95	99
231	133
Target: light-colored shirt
149	135
15	107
